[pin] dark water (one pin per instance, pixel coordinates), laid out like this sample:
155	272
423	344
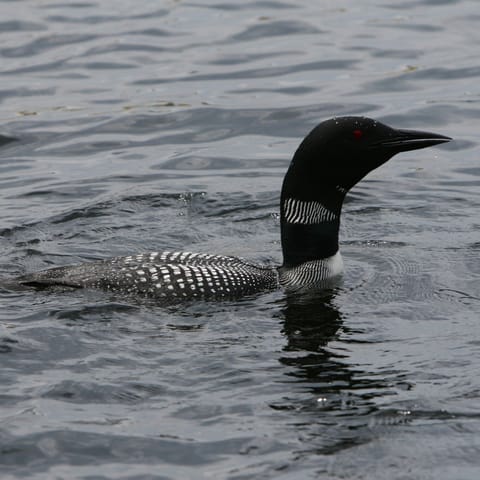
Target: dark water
168	125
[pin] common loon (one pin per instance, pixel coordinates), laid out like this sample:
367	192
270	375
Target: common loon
331	159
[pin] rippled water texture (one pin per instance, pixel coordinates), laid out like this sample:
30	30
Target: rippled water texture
147	125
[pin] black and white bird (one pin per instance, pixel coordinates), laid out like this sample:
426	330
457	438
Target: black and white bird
331	159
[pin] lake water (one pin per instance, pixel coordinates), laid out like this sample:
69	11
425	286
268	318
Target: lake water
154	125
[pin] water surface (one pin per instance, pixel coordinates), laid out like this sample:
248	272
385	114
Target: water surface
169	125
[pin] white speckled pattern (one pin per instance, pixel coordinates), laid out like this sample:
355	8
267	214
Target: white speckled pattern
166	275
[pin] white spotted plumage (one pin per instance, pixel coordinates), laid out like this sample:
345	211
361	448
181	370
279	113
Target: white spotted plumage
168	274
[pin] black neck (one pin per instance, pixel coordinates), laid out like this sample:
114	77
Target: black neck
304	243
309	222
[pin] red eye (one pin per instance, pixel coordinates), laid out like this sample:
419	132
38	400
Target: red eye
358	134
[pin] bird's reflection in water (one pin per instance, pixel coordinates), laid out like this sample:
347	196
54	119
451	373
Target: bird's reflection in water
336	397
310	323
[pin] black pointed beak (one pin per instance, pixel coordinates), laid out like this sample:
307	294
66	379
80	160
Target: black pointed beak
405	140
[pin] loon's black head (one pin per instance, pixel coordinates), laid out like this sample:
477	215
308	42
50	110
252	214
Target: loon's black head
332	158
342	150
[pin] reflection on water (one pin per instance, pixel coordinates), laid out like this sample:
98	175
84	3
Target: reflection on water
341	408
310	321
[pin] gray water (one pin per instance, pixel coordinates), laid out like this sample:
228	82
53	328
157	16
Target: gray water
149	125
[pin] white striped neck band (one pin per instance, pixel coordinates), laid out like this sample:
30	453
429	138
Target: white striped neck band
307	212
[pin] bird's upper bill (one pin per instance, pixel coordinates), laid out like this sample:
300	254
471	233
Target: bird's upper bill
404	140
